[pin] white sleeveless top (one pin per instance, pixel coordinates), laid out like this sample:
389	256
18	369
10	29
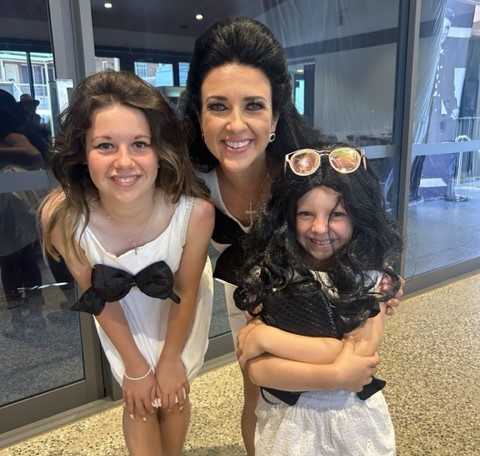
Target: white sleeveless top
147	316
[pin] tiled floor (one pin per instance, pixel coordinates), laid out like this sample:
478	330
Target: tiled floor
430	360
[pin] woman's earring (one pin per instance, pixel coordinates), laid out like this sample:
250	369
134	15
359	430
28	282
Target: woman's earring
272	137
203	137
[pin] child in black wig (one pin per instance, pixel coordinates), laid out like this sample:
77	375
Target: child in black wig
316	257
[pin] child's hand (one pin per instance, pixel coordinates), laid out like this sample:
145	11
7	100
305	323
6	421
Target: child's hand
172	383
249	341
354	371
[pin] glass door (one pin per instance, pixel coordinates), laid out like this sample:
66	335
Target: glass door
50	359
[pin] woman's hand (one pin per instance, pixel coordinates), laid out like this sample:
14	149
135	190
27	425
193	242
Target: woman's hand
172	383
385	287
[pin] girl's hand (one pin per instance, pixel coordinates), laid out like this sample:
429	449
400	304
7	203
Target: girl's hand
172	383
138	395
354	371
249	341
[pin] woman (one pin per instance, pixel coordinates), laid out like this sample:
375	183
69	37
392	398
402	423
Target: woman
242	121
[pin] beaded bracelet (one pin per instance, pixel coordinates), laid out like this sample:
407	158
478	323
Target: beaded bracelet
136	379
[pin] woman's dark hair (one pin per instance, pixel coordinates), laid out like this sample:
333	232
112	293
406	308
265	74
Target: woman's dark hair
244	41
275	258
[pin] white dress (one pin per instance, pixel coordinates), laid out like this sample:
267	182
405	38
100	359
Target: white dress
326	423
146	316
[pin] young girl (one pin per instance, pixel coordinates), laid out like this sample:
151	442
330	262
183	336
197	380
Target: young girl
132	222
316	256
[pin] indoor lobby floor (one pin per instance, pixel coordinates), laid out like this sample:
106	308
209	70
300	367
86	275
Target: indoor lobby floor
430	359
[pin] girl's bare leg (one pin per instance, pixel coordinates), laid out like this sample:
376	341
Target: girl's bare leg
174	427
163	434
251	394
142	438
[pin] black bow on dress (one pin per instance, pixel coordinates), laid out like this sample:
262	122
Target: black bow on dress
111	284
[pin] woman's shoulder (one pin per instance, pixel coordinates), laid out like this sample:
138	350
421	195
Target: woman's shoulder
210	178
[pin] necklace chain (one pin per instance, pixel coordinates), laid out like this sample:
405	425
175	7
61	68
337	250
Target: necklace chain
137	241
252	203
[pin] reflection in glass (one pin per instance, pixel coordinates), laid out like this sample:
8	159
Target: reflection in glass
157	74
39	334
445	179
41	347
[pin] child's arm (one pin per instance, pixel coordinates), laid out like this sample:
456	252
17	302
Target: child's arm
258	338
170	372
349	372
369	336
309	363
137	395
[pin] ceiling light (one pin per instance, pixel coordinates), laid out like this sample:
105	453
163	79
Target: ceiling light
199	16
108	5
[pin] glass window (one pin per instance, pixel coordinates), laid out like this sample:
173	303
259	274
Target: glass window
107	63
183	72
39	335
445	175
344	72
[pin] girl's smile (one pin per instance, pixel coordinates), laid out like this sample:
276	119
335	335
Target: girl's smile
121	161
323	225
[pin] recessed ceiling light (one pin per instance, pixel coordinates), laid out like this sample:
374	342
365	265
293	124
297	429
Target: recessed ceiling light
108	5
199	16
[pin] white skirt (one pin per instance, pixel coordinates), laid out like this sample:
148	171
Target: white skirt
325	423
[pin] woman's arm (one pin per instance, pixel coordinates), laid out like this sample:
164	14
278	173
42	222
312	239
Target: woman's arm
385	287
16	148
170	372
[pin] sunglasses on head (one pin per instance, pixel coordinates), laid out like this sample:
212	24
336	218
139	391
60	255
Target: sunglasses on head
305	162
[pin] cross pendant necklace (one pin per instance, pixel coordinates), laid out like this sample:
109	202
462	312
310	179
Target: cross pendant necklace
251	211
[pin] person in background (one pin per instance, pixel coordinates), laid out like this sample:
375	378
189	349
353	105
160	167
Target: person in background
29	105
132	221
316	255
442	126
241	121
21	149
20	140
